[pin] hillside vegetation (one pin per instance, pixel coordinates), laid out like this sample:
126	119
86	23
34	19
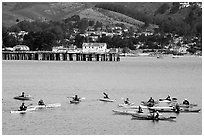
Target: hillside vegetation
16	12
168	15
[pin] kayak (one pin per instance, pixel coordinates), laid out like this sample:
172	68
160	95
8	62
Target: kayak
161	108
187	106
125	112
146	107
125	105
106	100
28	97
135	107
149	117
46	106
173	110
146	103
166	100
184	105
74	101
22	111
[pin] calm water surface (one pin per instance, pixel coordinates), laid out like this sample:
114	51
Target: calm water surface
136	78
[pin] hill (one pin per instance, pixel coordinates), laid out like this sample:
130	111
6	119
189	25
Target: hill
16	12
183	18
169	16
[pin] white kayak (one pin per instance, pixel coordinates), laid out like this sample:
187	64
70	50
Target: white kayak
106	100
135	107
146	107
125	105
161	108
124	112
22	111
46	106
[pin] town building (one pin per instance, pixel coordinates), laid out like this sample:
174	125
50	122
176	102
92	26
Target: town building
94	47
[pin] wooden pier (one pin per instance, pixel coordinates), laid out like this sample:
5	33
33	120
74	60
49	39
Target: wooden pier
58	56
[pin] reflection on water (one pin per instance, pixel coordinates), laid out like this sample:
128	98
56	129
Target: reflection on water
135	78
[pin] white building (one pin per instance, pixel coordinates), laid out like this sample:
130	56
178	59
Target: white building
21	48
94	47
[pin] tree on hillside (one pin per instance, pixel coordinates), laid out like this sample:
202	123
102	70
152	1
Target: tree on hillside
91	22
162	9
83	24
175	8
75	18
98	25
79	40
40	40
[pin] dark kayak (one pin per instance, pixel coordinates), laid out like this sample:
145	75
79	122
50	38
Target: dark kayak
74	101
183	110
23	98
149	117
106	100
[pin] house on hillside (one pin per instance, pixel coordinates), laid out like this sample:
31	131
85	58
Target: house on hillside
94	47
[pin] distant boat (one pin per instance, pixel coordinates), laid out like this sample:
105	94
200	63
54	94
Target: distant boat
175	56
143	54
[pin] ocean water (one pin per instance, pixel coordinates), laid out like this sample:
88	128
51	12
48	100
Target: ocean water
137	78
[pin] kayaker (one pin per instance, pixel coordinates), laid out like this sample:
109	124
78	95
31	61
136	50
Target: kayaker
177	108
126	101
23	107
76	98
22	94
186	102
105	95
151	100
140	109
168	98
156	115
41	102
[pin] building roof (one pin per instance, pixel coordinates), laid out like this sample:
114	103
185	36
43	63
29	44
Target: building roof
94	44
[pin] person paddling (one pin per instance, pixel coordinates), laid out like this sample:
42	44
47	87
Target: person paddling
168	98
140	109
176	108
186	102
151	100
126	101
75	98
105	95
22	94
41	102
23	107
156	115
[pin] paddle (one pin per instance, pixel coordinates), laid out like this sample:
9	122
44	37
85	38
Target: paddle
172	117
70	97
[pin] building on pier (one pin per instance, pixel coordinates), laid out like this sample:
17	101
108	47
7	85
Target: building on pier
94	47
